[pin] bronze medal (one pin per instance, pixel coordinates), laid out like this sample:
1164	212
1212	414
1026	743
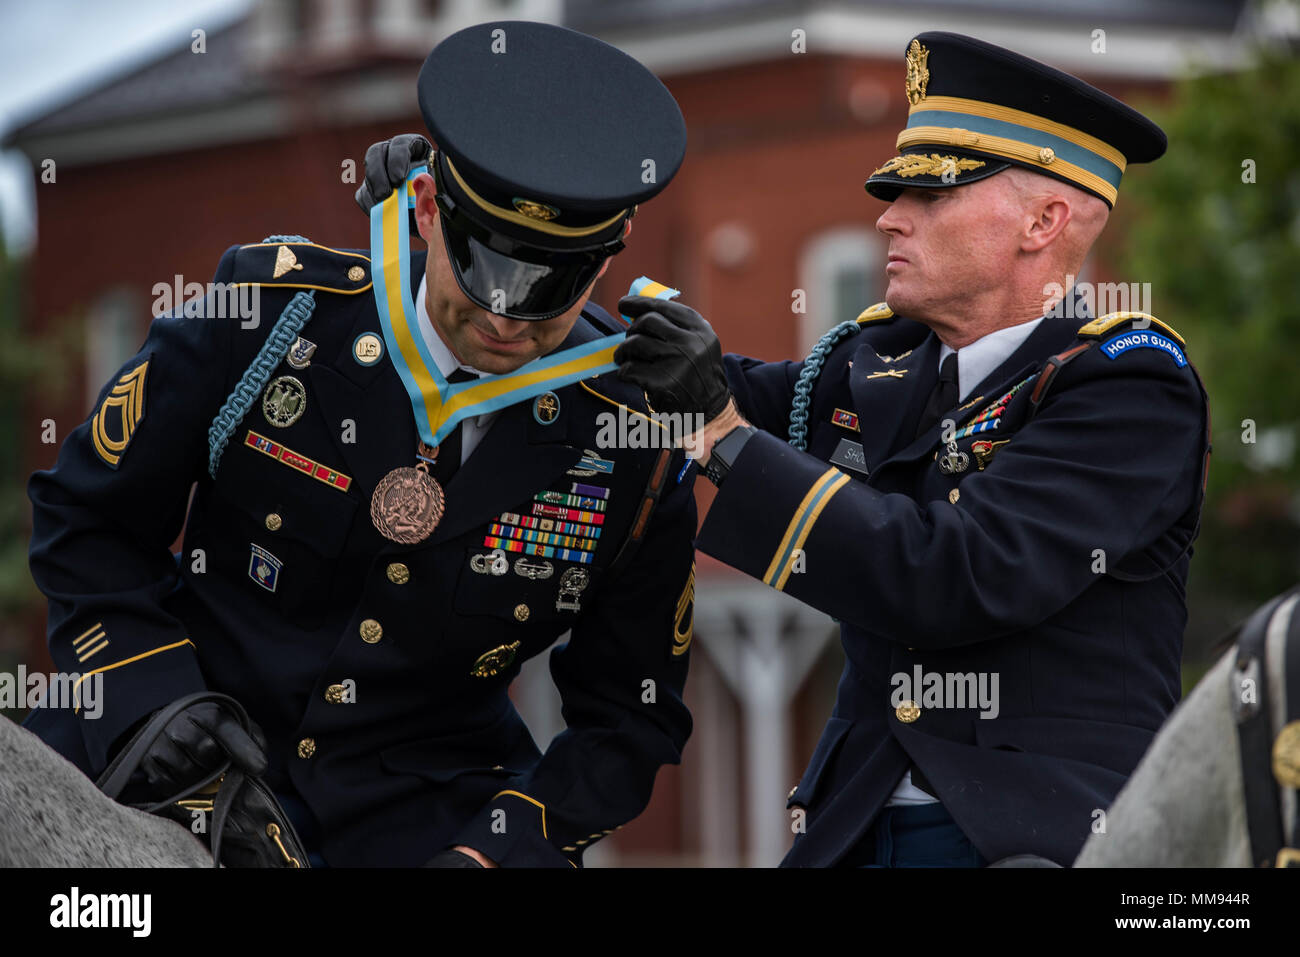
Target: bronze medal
407	505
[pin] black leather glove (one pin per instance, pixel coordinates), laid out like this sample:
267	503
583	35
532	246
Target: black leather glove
387	164
452	858
672	353
196	743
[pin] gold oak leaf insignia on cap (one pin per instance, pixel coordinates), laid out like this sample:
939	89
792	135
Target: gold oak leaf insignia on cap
917	164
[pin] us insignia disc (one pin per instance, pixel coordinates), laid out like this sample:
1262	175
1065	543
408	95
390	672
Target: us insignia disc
284	401
407	505
367	349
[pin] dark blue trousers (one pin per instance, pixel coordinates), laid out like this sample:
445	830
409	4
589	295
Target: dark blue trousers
921	835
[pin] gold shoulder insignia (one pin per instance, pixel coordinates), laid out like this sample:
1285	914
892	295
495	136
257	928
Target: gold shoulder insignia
302	265
874	313
1104	324
122	409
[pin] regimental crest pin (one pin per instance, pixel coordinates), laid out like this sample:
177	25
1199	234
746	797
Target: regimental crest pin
284	401
300	353
263	567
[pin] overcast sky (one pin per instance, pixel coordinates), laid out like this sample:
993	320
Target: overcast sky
51	49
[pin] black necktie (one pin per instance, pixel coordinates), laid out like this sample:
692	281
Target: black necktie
944	396
449	451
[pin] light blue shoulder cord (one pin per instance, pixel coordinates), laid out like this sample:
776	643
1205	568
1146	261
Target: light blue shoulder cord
282	336
812	367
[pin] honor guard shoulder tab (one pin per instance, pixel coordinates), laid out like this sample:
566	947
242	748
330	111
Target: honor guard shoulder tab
1112	321
874	313
298	263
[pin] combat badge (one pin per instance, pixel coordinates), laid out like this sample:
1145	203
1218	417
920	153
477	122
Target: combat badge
491	663
284	401
572	584
126	399
494	563
300	353
534	571
263	567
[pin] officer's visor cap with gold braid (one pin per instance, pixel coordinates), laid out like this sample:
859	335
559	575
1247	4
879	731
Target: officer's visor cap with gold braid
974	109
547	140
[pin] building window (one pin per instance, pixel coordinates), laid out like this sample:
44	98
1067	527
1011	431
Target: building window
842	272
112	337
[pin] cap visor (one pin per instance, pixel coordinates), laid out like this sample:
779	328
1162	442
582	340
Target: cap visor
513	287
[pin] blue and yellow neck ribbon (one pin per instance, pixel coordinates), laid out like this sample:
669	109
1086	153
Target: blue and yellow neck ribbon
438	405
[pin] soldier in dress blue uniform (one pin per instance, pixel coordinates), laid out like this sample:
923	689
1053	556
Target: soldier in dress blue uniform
366	593
990	490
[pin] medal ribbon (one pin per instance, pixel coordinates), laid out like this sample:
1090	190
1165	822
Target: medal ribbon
439	405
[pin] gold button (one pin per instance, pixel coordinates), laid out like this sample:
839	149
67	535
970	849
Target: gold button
356	274
792	790
1046	155
953	496
907	712
334	694
521	612
371	631
273	521
398	573
306	748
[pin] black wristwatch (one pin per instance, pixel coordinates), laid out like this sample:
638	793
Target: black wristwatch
725	451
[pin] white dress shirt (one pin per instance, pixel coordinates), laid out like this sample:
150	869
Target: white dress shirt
474	428
974	362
